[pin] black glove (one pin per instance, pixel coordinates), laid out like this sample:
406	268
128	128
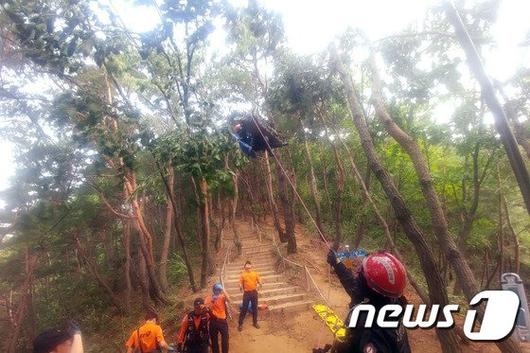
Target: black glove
326	349
332	258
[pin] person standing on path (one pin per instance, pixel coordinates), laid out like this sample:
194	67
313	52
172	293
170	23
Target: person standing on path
193	335
217	304
248	284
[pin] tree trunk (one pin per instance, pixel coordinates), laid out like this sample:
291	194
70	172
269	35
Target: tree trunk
379	216
205	236
253	201
515	238
437	290
93	270
233	208
127	267
500	225
272	201
465	276
469	215
178	230
155	291
143	280
287	206
338	196
488	92
361	227
22	307
167	234
313	184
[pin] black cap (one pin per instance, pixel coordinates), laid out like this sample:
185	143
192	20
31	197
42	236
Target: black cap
49	339
198	302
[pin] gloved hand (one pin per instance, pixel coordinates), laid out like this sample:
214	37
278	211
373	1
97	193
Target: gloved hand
332	258
326	349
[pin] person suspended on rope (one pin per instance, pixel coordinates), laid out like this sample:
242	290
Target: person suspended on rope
217	304
248	284
66	339
380	280
193	335
148	337
255	136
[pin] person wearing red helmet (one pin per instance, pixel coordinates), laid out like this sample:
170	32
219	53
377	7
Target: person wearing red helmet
380	280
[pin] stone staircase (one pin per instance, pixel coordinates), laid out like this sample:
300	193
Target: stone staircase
276	292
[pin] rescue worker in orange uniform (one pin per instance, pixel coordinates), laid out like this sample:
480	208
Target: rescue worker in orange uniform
148	337
248	284
217	304
193	335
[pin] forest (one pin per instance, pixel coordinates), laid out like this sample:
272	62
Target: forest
127	182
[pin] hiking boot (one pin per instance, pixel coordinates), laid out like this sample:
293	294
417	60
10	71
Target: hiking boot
256	325
240	328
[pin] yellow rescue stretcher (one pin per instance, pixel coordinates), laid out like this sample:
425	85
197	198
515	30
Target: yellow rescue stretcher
332	321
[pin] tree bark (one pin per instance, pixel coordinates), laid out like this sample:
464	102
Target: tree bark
167	234
127	267
287	206
205	236
515	238
24	303
437	290
178	230
465	275
386	229
337	217
488	92
313	183
272	201
469	215
93	270
233	208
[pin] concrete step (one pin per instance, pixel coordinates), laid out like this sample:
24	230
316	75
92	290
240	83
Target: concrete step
258	257
236	274
295	306
267	293
256	263
284	299
259	246
254	256
265	279
234	289
260	270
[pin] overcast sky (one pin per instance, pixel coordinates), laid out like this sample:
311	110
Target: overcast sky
311	24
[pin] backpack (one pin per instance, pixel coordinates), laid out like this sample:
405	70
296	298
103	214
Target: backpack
197	335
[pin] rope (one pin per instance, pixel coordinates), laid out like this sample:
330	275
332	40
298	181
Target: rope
322	236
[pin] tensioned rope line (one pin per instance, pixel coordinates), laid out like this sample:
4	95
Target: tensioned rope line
322	236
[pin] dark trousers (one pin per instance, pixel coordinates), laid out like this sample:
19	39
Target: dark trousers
249	297
217	327
200	347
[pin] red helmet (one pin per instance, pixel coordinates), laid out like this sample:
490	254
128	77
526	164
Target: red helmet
385	274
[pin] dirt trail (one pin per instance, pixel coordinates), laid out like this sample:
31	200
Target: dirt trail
303	331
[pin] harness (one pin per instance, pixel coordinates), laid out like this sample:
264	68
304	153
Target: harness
197	335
